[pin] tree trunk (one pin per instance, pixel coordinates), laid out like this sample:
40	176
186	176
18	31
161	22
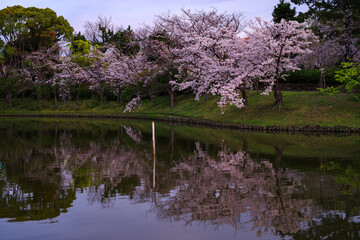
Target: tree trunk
171	92
78	93
206	96
100	91
38	96
322	80
257	85
320	84
9	98
276	87
244	96
102	96
121	101
277	95
172	99
55	97
153	99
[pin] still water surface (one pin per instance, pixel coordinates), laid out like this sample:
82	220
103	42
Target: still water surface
92	179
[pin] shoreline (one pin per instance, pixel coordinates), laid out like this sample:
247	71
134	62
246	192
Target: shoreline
203	122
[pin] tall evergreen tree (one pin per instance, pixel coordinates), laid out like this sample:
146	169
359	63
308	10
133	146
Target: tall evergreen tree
283	11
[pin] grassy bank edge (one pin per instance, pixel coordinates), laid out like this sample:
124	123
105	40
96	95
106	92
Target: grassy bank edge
196	121
301	111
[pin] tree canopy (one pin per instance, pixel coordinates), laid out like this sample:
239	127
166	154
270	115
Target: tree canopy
25	30
32	27
283	11
337	22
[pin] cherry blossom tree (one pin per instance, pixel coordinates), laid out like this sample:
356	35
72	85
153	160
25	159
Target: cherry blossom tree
273	46
97	71
123	70
214	64
47	67
200	51
160	47
205	53
339	39
76	74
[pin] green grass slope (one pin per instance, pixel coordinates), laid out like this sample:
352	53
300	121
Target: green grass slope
298	109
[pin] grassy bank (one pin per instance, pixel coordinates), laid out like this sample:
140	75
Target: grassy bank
298	109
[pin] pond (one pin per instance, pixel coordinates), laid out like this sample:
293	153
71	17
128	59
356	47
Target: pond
107	179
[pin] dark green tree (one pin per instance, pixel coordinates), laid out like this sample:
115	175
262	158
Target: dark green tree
125	41
79	44
330	9
284	11
30	29
26	30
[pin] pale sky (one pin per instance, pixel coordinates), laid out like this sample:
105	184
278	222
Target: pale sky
136	12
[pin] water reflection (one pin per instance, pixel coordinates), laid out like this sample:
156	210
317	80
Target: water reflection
283	185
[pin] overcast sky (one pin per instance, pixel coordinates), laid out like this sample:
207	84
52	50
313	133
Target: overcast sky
137	12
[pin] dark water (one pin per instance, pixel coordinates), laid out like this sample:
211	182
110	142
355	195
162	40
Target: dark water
91	179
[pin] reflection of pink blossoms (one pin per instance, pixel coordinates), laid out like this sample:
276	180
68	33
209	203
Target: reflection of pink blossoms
134	134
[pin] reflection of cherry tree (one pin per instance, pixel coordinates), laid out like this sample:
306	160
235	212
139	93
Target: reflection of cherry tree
134	134
103	169
225	188
203	183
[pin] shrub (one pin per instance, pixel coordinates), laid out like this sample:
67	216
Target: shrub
349	76
310	76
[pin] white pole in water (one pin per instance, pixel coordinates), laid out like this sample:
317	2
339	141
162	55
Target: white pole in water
153	140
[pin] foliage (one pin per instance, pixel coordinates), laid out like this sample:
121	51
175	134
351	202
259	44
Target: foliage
197	50
337	23
210	53
302	76
104	34
330	90
33	28
80	47
272	47
23	31
309	76
283	11
349	76
329	9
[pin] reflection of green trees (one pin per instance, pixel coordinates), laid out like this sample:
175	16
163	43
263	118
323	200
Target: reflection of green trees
31	188
42	168
44	203
202	175
351	178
